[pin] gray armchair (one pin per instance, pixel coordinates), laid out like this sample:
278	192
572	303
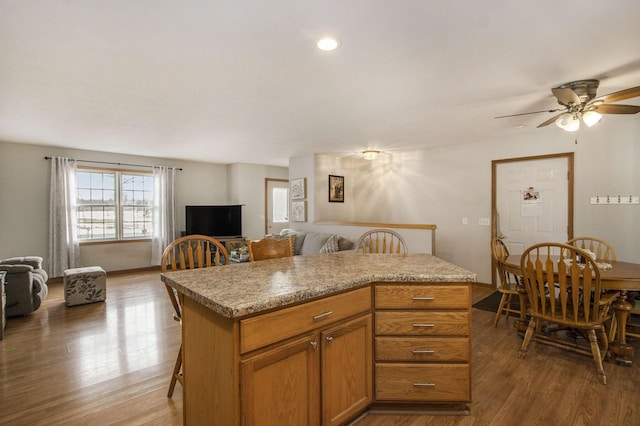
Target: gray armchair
25	284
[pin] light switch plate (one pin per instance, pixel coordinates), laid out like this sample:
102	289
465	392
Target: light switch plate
484	221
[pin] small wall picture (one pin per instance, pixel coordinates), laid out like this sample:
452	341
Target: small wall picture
298	189
530	195
336	189
298	211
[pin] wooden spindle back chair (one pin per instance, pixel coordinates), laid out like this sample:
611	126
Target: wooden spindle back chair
381	241
576	299
508	283
603	250
270	248
189	252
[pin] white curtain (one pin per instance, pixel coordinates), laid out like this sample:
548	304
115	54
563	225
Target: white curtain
64	249
164	211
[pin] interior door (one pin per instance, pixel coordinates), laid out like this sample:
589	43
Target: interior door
532	200
276	205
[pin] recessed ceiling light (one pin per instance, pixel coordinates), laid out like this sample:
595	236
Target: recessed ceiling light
327	44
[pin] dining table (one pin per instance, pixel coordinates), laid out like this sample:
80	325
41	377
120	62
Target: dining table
621	276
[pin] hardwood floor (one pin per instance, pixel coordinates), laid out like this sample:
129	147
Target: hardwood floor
109	363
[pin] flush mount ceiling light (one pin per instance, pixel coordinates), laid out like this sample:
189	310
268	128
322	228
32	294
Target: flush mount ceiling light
370	154
327	44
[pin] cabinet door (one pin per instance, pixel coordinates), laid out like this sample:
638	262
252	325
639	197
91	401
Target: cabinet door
281	386
347	375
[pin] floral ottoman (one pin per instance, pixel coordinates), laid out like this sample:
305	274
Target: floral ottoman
85	285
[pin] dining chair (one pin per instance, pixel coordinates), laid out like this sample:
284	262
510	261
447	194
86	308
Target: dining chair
381	241
508	285
577	303
189	252
603	250
270	248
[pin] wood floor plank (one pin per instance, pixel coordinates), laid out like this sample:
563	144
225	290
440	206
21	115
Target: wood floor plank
109	364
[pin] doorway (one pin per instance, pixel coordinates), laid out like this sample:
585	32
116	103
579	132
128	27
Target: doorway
531	201
276	208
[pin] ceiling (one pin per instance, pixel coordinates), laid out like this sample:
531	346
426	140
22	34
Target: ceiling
242	81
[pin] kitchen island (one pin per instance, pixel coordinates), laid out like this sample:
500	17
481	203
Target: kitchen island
317	339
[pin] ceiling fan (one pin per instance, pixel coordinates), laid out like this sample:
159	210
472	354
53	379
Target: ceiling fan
578	100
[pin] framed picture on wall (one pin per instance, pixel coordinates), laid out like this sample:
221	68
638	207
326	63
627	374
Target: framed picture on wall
298	189
298	211
336	189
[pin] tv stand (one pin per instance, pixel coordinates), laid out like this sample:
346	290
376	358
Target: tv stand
232	243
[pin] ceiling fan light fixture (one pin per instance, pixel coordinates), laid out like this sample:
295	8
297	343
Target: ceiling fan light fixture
370	154
568	122
591	117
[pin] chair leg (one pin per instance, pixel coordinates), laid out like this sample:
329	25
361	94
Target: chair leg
527	337
595	350
500	308
176	373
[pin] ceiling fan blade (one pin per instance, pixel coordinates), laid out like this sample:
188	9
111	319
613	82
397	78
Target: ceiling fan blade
632	92
617	109
549	121
566	96
532	112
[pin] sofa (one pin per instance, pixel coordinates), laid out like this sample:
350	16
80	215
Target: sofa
308	242
25	284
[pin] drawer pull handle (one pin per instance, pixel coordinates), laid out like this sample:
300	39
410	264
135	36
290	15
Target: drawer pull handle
424	384
423	351
423	325
326	314
424	298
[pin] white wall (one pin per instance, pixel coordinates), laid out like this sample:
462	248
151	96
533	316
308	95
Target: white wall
24	200
442	185
247	187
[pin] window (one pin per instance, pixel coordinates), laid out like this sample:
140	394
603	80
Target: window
114	205
280	205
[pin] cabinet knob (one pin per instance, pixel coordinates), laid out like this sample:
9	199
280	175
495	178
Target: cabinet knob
314	344
329	339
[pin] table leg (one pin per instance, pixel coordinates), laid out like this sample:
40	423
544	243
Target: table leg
619	348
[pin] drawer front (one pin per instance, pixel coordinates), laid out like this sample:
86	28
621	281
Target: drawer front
269	328
424	349
424	382
422	296
423	323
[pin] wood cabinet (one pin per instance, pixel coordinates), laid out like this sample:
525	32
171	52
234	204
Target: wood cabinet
422	342
308	364
321	378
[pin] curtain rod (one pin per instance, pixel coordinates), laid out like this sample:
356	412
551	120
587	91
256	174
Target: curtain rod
117	164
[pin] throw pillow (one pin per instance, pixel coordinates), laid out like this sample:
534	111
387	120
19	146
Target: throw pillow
331	245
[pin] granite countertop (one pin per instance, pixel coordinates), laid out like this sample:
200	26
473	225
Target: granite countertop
241	289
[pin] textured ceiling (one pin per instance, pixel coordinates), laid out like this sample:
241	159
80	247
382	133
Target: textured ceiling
241	81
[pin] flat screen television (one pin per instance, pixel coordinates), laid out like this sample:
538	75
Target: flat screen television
214	221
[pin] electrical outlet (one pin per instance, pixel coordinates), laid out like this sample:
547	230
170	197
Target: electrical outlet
465	220
484	221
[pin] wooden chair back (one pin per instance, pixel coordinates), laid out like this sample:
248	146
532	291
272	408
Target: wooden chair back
603	250
577	300
381	241
189	252
500	252
270	248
